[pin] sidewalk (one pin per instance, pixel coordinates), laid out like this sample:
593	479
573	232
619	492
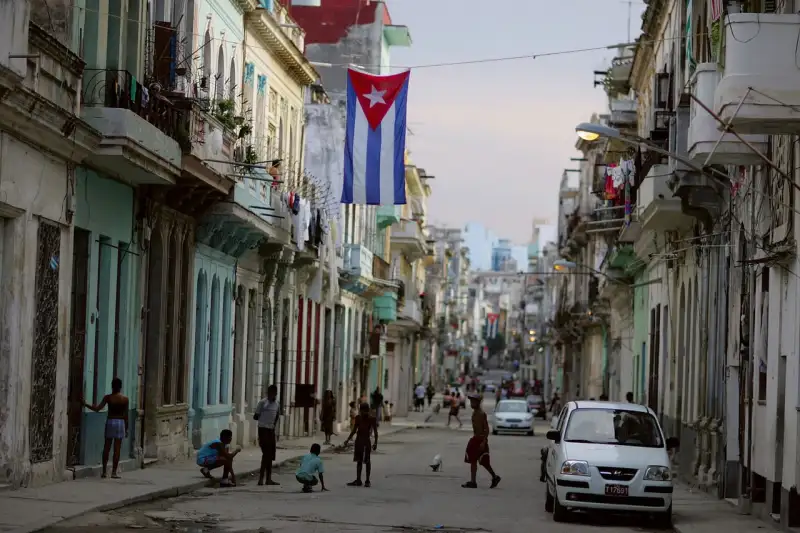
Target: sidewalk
33	509
698	512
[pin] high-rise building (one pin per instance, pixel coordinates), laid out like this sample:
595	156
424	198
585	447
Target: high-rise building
501	254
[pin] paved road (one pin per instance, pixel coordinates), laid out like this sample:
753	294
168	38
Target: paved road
406	496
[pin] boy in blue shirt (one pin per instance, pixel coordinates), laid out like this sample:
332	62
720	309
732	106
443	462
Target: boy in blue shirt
215	454
310	466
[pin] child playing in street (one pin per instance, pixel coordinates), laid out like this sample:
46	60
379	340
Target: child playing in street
310	467
215	454
365	424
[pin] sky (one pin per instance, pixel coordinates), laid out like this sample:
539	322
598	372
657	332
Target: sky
498	136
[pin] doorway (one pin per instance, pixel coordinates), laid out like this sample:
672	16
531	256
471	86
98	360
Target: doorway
77	348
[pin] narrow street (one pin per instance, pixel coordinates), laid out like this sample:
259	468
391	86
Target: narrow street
406	496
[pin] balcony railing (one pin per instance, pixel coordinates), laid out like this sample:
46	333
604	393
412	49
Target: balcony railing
119	89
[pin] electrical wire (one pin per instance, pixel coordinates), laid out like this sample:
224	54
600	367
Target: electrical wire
481	61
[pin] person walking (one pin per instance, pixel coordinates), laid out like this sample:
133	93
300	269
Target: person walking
327	414
116	424
419	398
455	406
430	392
268	412
477	452
365	426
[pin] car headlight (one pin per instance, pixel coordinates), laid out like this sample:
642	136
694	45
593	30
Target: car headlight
575	468
657	473
528	416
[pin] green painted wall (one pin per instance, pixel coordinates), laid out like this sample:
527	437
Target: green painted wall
105	208
641	334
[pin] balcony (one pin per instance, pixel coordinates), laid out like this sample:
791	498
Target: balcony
387	215
408	238
623	113
140	130
385	306
357	261
761	68
205	141
704	135
410	314
658	209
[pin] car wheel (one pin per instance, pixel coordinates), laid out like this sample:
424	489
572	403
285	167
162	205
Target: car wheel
548	501
664	520
494	432
560	513
530	433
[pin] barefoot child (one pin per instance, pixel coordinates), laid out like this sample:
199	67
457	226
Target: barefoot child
310	467
478	445
215	454
364	424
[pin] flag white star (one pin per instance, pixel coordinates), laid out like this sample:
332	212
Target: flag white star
375	97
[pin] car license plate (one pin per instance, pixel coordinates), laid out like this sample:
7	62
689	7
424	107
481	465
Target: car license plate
616	490
513	425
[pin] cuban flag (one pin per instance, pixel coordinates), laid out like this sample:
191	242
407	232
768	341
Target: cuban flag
492	320
375	139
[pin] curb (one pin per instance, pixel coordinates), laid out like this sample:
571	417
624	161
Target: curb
171	492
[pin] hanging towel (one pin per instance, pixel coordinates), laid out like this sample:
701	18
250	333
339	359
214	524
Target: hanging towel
306	207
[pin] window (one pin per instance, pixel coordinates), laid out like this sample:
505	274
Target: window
512	407
762	360
614	426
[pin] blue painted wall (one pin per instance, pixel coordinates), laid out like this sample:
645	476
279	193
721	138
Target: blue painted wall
106	209
211	368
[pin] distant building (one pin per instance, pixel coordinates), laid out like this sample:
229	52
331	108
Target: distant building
501	254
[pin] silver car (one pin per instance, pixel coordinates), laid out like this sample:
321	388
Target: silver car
512	416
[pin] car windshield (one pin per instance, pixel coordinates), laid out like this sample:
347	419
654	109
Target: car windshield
614	426
512	407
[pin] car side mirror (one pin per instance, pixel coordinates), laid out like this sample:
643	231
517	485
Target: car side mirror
673	443
554	436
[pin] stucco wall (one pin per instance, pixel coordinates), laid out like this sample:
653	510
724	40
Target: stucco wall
105	208
32	184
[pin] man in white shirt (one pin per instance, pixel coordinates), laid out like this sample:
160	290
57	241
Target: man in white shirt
268	411
419	392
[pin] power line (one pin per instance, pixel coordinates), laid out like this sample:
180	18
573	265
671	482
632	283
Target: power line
500	59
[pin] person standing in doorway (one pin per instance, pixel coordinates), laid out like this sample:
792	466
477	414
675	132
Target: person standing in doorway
376	399
268	412
327	414
116	424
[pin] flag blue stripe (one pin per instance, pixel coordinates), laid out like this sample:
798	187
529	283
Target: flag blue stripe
352	102
400	104
373	177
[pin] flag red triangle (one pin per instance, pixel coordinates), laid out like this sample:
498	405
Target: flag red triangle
376	94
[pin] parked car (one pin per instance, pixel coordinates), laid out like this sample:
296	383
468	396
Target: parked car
537	406
489	386
609	456
511	416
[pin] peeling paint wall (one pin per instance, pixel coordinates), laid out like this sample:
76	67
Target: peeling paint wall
40	194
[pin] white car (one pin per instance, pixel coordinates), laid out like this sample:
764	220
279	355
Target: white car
610	457
512	416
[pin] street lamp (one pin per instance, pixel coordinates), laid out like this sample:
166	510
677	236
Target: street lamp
591	132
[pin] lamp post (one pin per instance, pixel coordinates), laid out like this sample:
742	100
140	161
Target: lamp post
591	132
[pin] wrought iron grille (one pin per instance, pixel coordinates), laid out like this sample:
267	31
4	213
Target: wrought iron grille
43	383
